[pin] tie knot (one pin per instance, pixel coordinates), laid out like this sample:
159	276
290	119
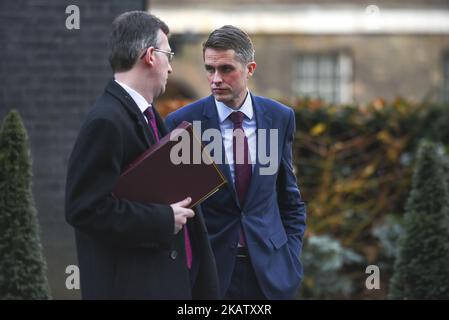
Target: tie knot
237	118
149	113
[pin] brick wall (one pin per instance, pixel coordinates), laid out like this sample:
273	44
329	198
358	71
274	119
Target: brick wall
52	75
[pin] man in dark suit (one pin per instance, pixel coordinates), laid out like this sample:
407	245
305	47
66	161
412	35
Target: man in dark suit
256	223
131	250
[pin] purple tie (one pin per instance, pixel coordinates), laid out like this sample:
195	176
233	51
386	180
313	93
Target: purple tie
188	247
242	163
149	113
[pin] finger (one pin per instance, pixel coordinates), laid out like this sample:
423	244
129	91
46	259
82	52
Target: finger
184	203
189	213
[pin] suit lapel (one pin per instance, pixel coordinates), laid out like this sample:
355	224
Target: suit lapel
211	121
162	128
133	110
263	121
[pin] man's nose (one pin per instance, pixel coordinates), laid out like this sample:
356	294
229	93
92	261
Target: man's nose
216	78
170	70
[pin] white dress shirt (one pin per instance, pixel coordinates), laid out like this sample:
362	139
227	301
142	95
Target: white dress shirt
141	102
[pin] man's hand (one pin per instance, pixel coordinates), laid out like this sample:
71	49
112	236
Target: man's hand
181	213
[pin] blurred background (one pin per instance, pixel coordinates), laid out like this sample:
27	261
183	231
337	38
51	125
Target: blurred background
367	79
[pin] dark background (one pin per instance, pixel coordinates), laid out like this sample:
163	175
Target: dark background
52	76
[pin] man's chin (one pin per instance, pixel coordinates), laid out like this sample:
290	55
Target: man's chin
220	97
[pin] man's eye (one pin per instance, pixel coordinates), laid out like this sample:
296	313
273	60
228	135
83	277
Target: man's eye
210	70
226	69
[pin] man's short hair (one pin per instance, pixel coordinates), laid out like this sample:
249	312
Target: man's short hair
132	33
230	37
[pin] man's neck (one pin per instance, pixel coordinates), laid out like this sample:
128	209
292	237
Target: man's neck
241	101
130	79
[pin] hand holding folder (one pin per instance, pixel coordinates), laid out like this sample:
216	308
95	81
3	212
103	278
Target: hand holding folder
182	213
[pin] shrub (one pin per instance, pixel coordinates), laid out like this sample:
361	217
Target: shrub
422	268
22	267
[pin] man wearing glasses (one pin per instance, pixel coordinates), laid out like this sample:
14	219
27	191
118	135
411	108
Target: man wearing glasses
131	250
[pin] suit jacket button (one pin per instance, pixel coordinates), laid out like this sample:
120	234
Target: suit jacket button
173	254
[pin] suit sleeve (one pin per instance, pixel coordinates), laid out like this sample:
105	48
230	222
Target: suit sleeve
291	206
170	122
94	167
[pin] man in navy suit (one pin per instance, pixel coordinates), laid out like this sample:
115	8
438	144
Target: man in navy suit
257	222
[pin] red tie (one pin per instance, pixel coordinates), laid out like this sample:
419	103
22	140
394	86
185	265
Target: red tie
149	113
242	163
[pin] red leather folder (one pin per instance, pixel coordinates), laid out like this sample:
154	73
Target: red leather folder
154	178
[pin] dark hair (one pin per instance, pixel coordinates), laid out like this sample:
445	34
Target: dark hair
230	37
132	32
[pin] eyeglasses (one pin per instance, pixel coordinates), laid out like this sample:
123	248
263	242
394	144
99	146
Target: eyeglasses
169	54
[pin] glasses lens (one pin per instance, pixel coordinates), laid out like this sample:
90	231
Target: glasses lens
169	54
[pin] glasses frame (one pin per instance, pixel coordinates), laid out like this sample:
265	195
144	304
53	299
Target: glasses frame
169	54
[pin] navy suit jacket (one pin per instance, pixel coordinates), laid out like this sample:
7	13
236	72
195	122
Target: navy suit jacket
273	216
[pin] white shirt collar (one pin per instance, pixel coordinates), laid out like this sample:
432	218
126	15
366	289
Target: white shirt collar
224	111
141	102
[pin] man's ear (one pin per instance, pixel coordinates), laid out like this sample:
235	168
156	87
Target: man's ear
251	67
149	56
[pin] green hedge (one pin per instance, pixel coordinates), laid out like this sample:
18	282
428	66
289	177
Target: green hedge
354	165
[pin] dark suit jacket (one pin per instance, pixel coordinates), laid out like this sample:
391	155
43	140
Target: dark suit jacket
273	216
127	250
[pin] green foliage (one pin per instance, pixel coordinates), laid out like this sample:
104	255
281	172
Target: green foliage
354	166
422	268
324	259
388	234
22	266
354	163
